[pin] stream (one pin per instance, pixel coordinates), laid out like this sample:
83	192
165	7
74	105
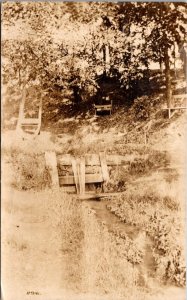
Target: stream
113	223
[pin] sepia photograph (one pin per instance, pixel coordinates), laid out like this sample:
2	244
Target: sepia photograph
93	150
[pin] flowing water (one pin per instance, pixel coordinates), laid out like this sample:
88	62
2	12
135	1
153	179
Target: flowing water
113	224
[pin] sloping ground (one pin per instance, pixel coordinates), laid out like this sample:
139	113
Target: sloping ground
32	240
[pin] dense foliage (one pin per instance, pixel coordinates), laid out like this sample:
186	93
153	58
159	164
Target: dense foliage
66	46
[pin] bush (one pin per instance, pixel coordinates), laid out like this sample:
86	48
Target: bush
145	164
143	107
30	171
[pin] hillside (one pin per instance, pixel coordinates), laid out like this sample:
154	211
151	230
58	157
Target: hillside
155	172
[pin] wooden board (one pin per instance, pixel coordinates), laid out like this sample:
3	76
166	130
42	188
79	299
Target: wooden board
82	175
104	167
51	163
92	196
89	178
23	122
21	108
69	189
65	159
113	160
92	169
177	107
72	179
103	107
180	96
94	160
30	121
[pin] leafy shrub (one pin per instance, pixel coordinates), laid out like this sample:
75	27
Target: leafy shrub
169	254
143	165
30	171
143	107
128	248
139	166
118	178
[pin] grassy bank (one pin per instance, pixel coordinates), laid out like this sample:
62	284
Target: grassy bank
156	209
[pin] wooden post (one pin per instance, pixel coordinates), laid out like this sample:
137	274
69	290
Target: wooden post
75	174
21	109
104	167
169	113
82	175
51	163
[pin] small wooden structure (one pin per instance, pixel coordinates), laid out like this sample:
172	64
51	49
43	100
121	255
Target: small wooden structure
178	102
178	96
105	105
29	127
74	174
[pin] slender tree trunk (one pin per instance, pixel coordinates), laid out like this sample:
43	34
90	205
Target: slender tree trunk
161	66
174	64
104	59
167	78
167	65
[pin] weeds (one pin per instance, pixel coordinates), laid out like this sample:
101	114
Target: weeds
143	107
96	259
144	165
106	266
29	170
158	215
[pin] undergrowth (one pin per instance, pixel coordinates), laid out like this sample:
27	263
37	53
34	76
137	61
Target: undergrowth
153	161
29	170
159	216
97	261
109	260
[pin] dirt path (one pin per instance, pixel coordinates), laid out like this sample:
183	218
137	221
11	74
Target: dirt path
30	250
33	263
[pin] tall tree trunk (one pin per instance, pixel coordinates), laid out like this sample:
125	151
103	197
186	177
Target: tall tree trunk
161	66
174	64
167	78
167	64
104	59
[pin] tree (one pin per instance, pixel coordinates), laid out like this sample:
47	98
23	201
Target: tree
65	46
162	26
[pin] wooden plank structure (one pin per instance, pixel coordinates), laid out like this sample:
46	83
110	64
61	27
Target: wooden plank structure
28	127
182	98
103	107
94	160
73	174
